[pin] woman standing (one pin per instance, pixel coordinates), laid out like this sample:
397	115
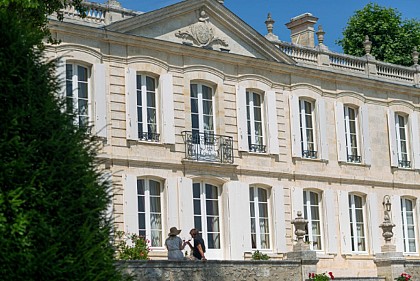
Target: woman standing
174	245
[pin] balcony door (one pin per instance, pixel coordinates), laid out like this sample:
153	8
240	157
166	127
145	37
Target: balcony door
202	119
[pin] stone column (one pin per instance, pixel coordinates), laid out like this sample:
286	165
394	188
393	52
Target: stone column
389	263
301	250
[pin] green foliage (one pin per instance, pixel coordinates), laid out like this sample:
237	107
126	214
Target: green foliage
36	12
258	256
393	38
138	251
52	199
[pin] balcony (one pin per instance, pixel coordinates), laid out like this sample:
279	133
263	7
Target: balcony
208	147
404	164
257	148
148	136
311	154
354	158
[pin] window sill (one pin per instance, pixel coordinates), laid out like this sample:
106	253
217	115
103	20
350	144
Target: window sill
309	159
141	142
322	255
353	164
263	154
358	256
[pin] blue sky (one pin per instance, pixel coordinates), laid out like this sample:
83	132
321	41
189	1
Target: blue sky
333	14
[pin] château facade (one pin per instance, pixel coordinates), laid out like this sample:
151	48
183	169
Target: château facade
206	123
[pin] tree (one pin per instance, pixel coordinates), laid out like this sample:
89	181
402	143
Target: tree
36	12
393	38
53	224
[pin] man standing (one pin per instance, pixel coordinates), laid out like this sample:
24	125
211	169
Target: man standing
199	248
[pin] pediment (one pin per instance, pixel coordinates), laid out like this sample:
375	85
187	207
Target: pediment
204	24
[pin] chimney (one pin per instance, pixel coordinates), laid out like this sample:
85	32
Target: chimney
302	29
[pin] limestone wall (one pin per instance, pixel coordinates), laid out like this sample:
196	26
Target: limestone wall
214	270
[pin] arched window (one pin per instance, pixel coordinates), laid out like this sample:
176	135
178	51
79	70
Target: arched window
77	92
146	108
149	198
401	130
351	128
307	128
357	223
207	213
260	227
312	208
254	105
408	225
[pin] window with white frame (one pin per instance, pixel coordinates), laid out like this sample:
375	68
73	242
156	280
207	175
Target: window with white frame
202	110
207	213
149	197
307	128
401	129
351	128
77	92
260	226
254	114
311	208
357	223
408	225
146	108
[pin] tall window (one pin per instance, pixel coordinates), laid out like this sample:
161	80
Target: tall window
402	141
255	122
206	213
307	129
357	225
77	92
146	108
311	207
408	225
150	210
260	230
202	110
351	127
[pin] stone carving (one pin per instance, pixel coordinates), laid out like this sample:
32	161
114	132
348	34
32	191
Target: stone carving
201	33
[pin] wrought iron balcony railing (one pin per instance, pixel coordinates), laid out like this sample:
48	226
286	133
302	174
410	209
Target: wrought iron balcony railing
208	147
309	154
404	164
146	136
354	158
257	148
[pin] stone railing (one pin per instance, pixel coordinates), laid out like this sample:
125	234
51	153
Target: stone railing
99	14
366	65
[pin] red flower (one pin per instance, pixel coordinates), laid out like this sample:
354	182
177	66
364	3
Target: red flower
331	275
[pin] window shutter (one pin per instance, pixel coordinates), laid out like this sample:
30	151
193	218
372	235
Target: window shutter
322	125
295	126
415	139
131	224
397	220
364	112
279	219
61	75
239	214
344	216
330	206
241	119
297	201
172	207
373	223
271	106
131	104
107	177
392	138
168	114
341	133
186	210
99	97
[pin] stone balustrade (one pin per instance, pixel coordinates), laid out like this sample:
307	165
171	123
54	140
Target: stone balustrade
365	65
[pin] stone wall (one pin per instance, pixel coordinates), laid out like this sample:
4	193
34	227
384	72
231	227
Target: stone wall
154	270
413	268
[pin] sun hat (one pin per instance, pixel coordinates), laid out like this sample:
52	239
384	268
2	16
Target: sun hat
174	231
